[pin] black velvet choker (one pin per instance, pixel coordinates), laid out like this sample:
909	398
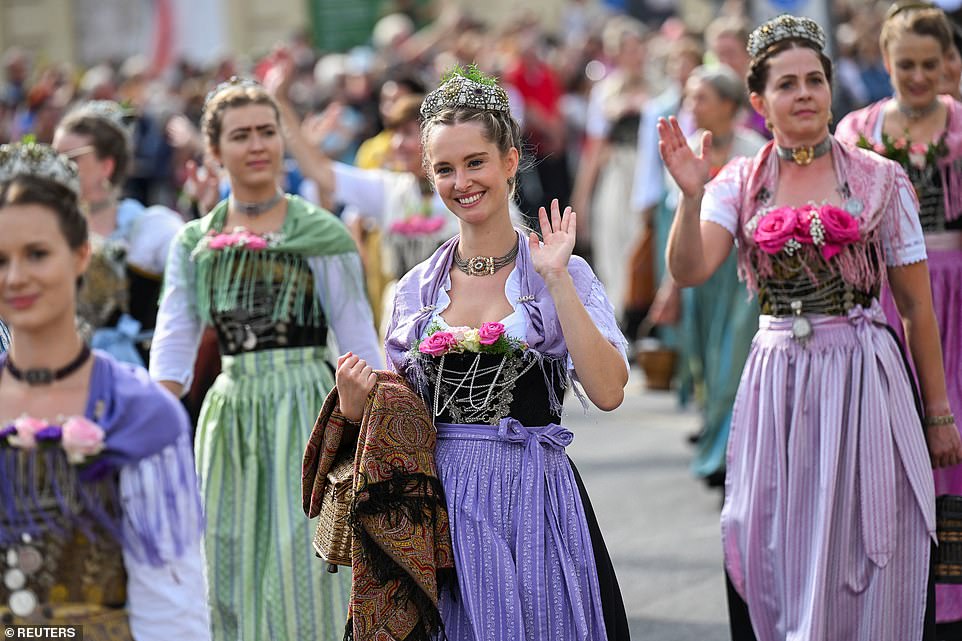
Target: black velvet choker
45	376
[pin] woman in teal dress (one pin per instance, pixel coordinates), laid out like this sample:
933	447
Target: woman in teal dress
275	277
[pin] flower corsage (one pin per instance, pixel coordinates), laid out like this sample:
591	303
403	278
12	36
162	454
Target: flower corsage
239	237
788	229
417	226
905	152
490	338
80	439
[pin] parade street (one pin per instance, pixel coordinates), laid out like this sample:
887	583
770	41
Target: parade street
661	525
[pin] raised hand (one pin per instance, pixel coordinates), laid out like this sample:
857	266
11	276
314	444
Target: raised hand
202	184
355	379
550	257
690	172
280	76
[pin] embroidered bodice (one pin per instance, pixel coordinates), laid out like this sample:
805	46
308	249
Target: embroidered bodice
276	308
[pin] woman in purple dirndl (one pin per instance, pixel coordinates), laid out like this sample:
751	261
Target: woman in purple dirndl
829	508
489	330
922	130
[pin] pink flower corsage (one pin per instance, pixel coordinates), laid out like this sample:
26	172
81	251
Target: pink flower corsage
787	229
79	437
775	229
240	237
490	333
438	343
418	226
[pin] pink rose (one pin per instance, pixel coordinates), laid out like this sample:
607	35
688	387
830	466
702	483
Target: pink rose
803	232
490	333
255	242
918	149
775	229
901	143
432	225
26	435
81	438
219	241
437	343
879	148
841	228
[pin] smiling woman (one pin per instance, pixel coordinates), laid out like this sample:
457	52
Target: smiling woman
523	319
922	131
94	457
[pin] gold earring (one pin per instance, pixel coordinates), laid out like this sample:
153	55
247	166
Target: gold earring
769	126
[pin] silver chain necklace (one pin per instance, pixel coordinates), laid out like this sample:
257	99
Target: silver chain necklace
917	113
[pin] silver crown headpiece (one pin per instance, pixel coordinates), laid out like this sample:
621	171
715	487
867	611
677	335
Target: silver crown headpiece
233	81
114	113
785	27
41	161
460	90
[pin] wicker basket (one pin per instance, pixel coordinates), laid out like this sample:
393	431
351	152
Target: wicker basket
948	526
659	366
332	538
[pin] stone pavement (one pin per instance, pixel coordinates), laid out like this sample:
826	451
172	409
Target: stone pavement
661	525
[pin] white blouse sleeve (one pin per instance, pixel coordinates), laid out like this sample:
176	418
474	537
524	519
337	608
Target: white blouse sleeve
150	244
722	200
178	331
168	601
364	189
340	287
902	239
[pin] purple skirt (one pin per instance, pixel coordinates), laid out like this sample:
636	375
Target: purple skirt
522	550
829	508
945	273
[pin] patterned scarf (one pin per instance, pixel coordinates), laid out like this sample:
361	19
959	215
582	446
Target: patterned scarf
401	550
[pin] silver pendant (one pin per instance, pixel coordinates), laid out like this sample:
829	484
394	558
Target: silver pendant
30	559
12	557
14	579
22	603
801	326
854	206
250	339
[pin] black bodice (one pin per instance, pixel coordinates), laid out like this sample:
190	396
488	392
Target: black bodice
484	388
258	322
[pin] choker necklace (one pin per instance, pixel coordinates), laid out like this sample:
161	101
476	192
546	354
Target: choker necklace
804	155
45	376
483	265
913	113
256	209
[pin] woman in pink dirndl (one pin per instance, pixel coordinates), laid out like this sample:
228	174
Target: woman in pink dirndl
829	516
923	131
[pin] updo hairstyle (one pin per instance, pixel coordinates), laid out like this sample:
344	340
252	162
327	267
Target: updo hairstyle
27	189
231	97
108	138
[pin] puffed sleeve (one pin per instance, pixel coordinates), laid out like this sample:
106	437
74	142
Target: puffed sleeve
338	280
722	200
166	600
178	330
153	233
599	308
902	239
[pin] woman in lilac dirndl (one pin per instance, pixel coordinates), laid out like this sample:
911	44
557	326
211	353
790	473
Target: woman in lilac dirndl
923	131
489	330
829	507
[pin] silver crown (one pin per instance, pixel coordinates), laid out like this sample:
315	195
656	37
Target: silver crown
41	161
233	81
785	27
461	91
108	110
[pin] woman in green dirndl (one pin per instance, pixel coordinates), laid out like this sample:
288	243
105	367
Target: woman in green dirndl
274	276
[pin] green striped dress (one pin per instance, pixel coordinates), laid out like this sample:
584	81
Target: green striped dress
271	302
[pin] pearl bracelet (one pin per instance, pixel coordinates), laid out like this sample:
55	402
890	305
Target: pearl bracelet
944	419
